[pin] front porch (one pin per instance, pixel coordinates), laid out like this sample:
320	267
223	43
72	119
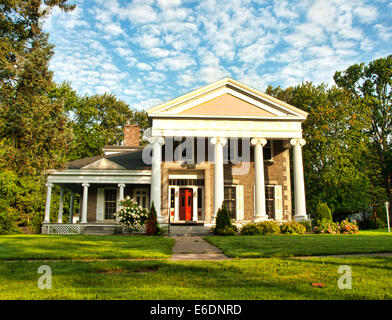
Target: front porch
100	193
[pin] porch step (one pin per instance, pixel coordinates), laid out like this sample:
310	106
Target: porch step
99	230
189	231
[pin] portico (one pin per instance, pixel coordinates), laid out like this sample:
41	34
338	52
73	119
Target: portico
230	111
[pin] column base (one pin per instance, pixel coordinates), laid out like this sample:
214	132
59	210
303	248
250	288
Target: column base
301	218
260	219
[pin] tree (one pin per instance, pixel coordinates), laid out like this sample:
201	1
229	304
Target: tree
370	87
96	120
33	128
335	152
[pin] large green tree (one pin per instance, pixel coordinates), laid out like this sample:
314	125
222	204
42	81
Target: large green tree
335	151
96	120
33	128
370	88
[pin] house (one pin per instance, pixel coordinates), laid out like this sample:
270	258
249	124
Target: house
223	142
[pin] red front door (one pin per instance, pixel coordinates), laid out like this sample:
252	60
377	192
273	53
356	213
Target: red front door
186	204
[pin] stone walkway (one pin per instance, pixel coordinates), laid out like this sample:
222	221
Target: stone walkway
195	248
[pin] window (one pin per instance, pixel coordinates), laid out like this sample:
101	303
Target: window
186	182
110	203
230	201
141	197
270	201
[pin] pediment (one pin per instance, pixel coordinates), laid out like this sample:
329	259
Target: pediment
227	105
103	164
227	98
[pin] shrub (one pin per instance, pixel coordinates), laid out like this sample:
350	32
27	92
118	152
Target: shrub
8	222
131	215
227	231
292	228
250	229
327	227
223	223
307	225
269	227
347	227
152	226
322	214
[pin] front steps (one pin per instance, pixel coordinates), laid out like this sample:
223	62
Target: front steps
189	230
99	230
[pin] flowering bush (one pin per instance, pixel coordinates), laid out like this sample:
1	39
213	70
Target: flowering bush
343	227
348	227
327	227
131	215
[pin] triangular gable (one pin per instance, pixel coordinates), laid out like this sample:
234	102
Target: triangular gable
103	164
227	105
226	98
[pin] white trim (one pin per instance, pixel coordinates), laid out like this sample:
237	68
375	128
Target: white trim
100	212
217	86
240	202
187	176
278	202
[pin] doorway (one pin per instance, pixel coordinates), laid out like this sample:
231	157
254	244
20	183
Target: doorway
186	204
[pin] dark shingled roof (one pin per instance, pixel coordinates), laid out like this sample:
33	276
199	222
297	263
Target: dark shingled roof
129	160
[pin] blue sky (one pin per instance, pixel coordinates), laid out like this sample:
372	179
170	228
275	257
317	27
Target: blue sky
149	51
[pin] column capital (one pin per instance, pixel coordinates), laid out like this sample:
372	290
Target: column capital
121	185
219	140
85	185
160	140
256	141
49	185
296	141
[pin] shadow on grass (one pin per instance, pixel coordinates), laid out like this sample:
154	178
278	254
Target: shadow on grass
238	279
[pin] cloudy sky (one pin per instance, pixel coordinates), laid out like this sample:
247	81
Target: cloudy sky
149	51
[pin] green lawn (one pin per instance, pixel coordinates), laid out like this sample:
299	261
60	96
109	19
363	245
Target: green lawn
303	245
252	279
37	247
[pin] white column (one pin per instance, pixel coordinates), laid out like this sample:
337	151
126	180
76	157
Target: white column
219	184
85	202
71	207
157	143
48	200
61	206
259	212
195	195
120	197
121	191
299	185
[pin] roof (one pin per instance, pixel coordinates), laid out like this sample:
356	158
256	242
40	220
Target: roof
234	97
120	161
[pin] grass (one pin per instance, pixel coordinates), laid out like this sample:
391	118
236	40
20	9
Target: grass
374	241
57	247
250	279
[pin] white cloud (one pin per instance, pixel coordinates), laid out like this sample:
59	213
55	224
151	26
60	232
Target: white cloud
366	14
141	14
383	32
143	66
155	77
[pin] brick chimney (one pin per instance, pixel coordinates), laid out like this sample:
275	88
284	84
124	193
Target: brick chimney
131	135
